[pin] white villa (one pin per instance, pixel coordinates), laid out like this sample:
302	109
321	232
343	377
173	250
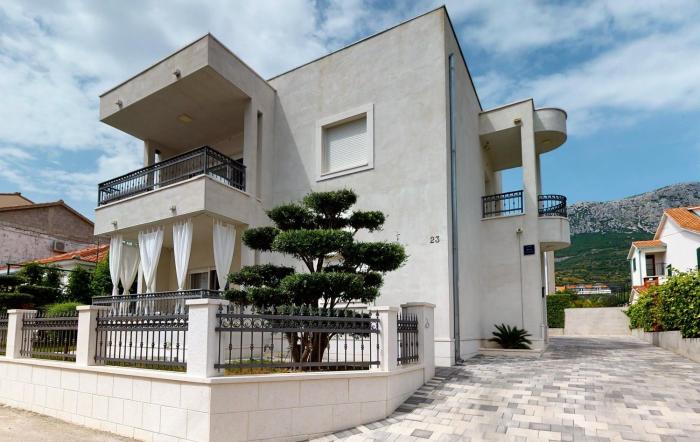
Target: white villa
675	247
396	118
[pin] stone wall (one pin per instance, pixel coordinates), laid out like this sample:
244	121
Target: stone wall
672	340
596	321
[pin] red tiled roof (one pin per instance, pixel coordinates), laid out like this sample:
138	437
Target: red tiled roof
685	218
648	244
89	254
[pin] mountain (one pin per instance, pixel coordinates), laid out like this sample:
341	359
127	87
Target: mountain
635	213
601	233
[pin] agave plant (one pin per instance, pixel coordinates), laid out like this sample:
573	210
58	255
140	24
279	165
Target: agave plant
511	337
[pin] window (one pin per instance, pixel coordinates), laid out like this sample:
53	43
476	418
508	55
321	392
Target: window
345	143
634	264
204	280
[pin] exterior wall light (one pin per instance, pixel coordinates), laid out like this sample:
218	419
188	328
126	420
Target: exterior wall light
177	73
119	103
517	121
184	118
114	223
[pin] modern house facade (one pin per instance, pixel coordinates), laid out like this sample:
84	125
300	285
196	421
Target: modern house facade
400	123
675	247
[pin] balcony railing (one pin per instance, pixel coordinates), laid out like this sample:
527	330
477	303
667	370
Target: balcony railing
551	205
656	269
201	161
501	204
511	203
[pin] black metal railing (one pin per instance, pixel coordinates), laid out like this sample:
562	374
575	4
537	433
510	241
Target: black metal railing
201	161
501	204
551	205
3	333
172	302
407	339
142	341
53	337
288	339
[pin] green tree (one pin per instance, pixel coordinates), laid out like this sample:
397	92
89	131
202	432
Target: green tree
52	277
78	288
101	282
320	233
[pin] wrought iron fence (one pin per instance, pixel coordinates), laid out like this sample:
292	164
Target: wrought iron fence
509	203
288	339
172	302
551	205
201	161
142	341
49	337
3	333
407	339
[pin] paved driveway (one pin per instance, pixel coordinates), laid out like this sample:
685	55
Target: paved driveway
581	389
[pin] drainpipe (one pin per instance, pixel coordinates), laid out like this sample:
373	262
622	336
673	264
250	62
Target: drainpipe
455	225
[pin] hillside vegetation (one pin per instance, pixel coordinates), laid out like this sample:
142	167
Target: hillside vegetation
602	233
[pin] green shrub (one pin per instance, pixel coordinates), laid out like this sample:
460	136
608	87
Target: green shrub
679	304
15	300
33	273
555	309
511	337
61	308
40	295
10	282
642	313
101	281
78	288
52	277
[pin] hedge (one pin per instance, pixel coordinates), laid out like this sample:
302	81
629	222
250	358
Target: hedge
674	305
555	309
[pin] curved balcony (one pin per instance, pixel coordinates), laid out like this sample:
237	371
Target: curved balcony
551	205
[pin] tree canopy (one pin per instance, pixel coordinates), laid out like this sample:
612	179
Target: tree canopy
320	233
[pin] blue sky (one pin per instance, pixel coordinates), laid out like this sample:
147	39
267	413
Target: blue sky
627	72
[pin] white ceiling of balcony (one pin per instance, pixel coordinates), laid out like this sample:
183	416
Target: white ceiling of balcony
214	104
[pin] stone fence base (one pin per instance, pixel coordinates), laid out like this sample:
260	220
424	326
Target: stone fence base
673	341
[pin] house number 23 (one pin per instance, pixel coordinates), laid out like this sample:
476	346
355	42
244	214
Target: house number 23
435	239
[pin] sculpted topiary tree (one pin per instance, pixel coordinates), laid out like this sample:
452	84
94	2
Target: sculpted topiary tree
338	269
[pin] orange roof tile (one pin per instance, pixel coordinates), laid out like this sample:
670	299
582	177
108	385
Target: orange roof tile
648	244
685	218
89	254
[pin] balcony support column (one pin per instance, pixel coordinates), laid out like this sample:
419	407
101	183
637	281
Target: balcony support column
250	146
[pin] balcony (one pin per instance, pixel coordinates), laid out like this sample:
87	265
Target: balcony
511	203
202	161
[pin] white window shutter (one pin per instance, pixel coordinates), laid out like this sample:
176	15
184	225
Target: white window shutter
346	146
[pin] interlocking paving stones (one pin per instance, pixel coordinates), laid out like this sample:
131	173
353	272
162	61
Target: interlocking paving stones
580	389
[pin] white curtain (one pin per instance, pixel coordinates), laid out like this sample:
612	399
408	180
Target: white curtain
115	260
129	267
150	243
182	246
224	242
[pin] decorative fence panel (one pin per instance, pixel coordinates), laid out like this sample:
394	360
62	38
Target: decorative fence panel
3	333
142	341
52	337
296	339
159	303
407	339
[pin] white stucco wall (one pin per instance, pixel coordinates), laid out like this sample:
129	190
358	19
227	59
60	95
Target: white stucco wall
405	83
681	246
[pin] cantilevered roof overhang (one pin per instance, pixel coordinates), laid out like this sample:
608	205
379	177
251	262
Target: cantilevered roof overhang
193	97
500	135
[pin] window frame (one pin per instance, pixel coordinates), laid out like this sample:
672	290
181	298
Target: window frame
366	111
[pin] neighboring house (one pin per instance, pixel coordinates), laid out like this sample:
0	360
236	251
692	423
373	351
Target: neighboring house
398	122
586	289
675	247
86	258
30	231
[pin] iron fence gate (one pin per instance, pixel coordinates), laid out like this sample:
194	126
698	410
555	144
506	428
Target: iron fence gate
142	341
288	339
407	337
49	337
